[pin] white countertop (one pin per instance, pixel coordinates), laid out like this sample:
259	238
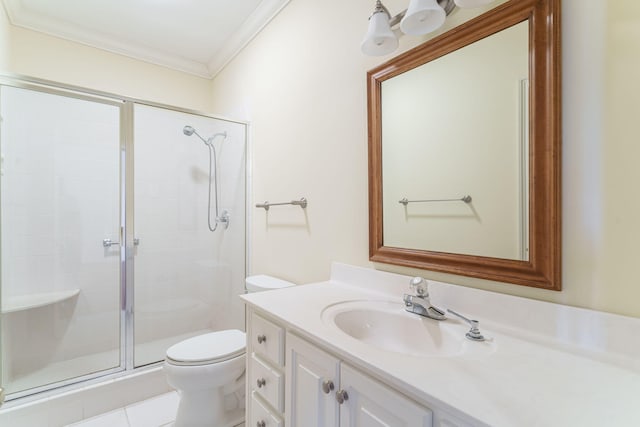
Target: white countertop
537	376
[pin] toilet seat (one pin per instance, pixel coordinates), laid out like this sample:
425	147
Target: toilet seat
208	348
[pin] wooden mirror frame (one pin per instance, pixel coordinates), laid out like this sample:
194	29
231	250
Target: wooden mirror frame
543	268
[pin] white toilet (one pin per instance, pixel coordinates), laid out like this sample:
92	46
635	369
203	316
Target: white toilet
208	368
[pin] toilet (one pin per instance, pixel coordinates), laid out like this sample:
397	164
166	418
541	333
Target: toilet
208	370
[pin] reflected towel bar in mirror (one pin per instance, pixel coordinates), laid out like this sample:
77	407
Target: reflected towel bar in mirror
302	203
466	199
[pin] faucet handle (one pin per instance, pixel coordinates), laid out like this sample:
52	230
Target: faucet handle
420	285
474	333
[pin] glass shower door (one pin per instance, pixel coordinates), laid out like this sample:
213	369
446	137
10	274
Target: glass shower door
60	213
187	278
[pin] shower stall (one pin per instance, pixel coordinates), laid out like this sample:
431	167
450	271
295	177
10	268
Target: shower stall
106	255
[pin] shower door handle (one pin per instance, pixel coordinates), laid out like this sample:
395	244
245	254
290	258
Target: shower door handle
107	243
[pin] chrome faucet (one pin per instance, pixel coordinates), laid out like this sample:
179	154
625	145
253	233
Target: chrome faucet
420	303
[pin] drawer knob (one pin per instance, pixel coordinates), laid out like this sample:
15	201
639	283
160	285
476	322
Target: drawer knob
327	386
262	338
261	424
261	382
342	396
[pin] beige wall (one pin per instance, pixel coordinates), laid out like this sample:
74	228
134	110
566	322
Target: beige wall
4	38
301	83
34	54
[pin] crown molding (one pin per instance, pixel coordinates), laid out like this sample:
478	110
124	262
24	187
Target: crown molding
255	23
260	17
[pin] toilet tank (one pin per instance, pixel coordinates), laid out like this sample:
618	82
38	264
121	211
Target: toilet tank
263	282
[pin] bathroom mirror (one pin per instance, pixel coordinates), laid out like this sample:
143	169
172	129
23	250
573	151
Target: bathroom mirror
464	149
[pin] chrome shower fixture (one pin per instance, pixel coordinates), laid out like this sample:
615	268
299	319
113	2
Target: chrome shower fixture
219	218
190	130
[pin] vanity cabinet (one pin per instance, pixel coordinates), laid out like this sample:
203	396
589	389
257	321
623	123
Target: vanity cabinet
293	382
369	403
324	391
313	377
265	372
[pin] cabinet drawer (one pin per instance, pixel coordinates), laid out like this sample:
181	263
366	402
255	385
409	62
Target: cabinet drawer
267	340
267	382
260	413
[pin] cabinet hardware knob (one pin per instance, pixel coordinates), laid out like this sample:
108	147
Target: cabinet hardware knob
261	382
261	424
262	338
342	396
327	386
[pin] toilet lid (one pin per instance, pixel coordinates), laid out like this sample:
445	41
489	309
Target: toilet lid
208	348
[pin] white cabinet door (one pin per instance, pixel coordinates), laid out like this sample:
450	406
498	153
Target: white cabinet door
369	403
310	399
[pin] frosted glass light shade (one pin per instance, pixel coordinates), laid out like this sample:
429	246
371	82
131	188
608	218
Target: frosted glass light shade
380	40
422	17
471	3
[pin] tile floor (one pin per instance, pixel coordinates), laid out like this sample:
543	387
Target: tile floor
158	411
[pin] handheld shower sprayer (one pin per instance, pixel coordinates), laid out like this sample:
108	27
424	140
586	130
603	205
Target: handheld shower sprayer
224	218
190	130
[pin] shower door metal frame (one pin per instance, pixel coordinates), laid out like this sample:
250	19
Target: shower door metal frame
126	106
57	91
127	251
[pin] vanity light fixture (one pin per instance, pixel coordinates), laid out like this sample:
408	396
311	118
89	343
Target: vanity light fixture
421	17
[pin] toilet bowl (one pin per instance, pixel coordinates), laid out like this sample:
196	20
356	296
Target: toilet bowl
200	368
208	368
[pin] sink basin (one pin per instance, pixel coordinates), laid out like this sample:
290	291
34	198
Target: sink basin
386	325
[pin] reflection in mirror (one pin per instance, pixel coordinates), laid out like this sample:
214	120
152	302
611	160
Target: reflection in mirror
453	127
440	128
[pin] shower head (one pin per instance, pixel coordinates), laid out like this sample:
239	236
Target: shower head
189	130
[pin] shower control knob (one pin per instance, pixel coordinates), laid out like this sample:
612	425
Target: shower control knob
262	338
261	424
261	382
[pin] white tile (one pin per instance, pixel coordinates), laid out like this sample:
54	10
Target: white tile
116	418
64	409
101	398
28	415
154	412
145	385
25	419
